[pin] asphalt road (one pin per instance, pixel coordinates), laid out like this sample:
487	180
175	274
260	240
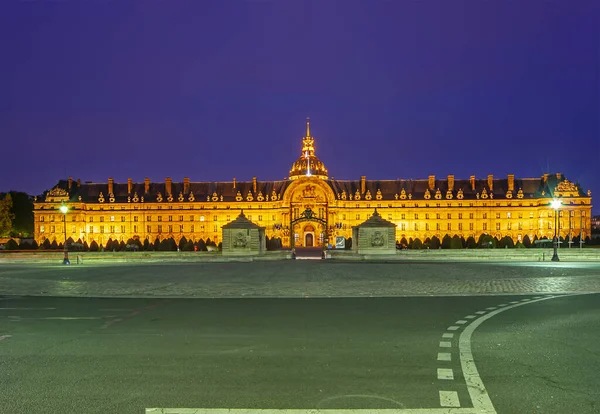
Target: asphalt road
85	355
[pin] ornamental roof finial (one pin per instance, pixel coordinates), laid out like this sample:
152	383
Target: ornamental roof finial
307	126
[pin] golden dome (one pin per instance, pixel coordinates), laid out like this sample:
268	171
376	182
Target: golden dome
308	165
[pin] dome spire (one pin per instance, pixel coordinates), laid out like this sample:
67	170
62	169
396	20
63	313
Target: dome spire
308	126
308	142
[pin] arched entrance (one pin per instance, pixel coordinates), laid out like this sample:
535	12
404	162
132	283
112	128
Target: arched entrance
309	236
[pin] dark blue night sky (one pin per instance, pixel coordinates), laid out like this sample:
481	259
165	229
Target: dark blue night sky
216	89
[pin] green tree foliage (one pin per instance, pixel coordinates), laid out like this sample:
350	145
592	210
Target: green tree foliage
94	246
446	241
526	241
34	245
109	245
6	215
506	242
456	242
435	243
403	242
156	244
86	247
201	244
46	245
22	210
471	243
520	245
486	241
188	247
11	245
53	245
147	245
348	243
220	246
182	242
417	244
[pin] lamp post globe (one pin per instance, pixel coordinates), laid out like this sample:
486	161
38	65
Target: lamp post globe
64	209
555	204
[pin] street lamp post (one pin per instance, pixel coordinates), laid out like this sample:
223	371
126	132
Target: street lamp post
64	209
555	205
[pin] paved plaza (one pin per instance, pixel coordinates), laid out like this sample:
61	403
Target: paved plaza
298	278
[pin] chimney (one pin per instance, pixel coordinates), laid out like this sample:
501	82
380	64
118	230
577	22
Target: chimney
254	184
511	182
559	176
545	178
431	182
363	184
491	182
129	185
186	185
234	183
146	185
69	182
110	186
472	181
451	182
168	185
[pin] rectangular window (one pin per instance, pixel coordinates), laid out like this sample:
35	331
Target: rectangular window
122	219
485	215
460	216
484	226
531	214
170	218
160	228
42	229
180	218
470	226
549	225
460	226
343	217
159	218
122	229
416	226
520	214
149	218
497	226
389	216
42	218
416	216
259	217
358	216
135	228
449	226
91	220
497	215
508	226
192	228
181	228
215	228
508	215
471	216
73	218
101	219
449	216
520	225
135	218
403	216
148	229
427	226
112	229
101	229
112	218
170	228
192	218
91	229
426	216
228	217
403	226
437	226
215	217
250	217
438	216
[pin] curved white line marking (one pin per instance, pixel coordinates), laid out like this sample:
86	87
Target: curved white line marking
479	395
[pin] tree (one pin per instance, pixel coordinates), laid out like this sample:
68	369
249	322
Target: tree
526	241
109	245
404	242
446	241
11	245
157	244
94	246
410	243
122	246
147	245
188	247
46	245
182	243
220	246
348	243
520	245
54	245
22	209
417	244
6	215
201	245
435	243
34	245
471	243
455	242
86	248
486	241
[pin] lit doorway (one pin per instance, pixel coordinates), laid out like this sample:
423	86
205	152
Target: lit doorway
309	240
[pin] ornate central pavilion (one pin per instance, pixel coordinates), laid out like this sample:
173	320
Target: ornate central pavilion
308	208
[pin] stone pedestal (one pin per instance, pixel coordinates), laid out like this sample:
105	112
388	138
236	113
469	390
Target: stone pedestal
374	236
242	237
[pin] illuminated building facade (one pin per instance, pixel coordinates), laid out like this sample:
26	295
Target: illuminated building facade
308	208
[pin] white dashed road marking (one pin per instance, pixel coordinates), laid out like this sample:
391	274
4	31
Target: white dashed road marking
470	317
445	344
444	356
445	373
448	335
480	312
461	322
453	328
3	337
449	399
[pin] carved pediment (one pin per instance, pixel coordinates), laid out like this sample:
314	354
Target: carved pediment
566	189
